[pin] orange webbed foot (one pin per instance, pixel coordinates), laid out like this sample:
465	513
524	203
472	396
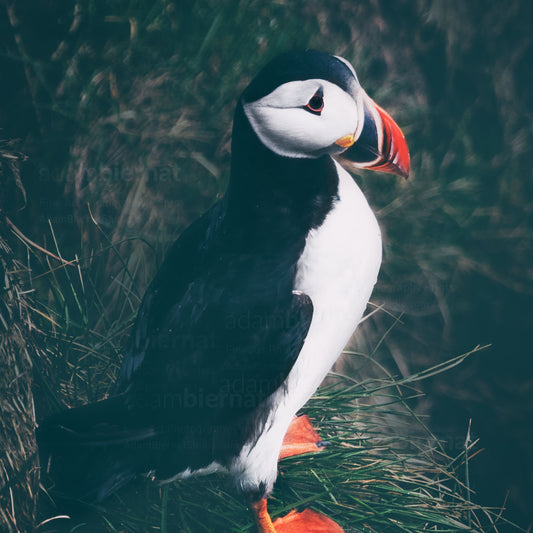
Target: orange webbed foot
307	521
301	438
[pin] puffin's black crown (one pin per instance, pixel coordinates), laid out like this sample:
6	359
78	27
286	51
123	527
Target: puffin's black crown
299	65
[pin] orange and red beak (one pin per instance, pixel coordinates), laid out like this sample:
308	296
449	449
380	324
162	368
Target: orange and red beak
380	145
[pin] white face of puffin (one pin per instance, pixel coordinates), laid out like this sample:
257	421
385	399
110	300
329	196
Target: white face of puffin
307	118
308	104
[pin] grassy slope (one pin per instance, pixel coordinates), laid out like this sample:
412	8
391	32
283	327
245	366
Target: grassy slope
383	471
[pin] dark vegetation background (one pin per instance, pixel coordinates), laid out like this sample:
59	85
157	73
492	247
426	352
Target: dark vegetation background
124	108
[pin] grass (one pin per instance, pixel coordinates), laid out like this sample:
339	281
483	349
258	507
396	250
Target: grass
19	473
366	480
383	471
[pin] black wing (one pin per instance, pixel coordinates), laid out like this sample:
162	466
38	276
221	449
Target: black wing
218	331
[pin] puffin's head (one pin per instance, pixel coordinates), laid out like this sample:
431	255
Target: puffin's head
306	104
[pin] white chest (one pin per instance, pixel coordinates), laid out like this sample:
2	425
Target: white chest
337	270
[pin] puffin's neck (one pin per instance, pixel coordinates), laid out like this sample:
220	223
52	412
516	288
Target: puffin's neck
284	194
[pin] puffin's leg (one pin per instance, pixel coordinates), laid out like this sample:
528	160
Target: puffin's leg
262	518
300	438
307	521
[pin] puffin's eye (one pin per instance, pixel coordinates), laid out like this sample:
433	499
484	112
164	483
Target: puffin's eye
316	104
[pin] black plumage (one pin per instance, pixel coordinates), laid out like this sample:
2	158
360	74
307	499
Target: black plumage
217	332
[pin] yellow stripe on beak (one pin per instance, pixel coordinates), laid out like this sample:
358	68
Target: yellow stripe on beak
346	141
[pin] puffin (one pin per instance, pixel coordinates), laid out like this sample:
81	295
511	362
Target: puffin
253	304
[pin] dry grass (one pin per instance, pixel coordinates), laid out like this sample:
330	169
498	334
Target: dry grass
19	347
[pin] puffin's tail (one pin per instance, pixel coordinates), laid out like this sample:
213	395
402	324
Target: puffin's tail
91	451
